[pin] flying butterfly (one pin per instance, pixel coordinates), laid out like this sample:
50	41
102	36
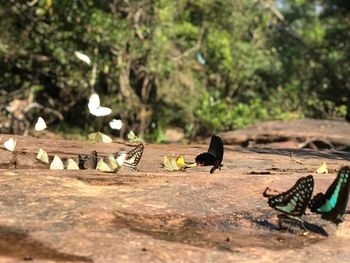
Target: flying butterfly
332	204
87	161
294	201
214	154
133	157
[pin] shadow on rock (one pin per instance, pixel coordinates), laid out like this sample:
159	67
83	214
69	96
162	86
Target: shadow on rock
17	243
224	232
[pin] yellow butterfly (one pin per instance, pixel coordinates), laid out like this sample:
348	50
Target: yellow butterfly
102	166
56	164
108	164
174	163
114	163
322	169
72	165
42	156
133	138
100	137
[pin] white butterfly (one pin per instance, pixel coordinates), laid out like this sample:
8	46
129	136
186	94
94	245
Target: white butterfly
82	57
121	158
10	144
40	124
116	124
95	107
56	164
72	165
100	137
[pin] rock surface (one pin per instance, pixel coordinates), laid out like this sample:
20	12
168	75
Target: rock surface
306	133
152	215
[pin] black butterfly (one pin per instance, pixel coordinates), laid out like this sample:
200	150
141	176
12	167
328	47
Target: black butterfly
133	157
295	201
214	154
332	204
87	161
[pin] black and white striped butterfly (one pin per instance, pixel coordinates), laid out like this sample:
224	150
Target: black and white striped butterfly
294	201
87	161
214	154
333	203
133	157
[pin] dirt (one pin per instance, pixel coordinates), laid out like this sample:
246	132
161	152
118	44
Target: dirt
152	215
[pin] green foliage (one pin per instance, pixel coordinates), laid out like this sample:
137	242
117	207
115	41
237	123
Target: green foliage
261	62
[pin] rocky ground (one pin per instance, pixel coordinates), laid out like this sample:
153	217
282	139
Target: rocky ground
152	215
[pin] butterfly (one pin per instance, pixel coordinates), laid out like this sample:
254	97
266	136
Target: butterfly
82	57
95	107
72	165
214	154
332	204
42	156
100	137
294	201
10	144
110	163
56	164
133	157
322	169
133	138
87	161
116	124
40	124
174	163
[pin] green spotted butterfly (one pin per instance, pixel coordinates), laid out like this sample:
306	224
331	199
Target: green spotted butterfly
332	204
294	201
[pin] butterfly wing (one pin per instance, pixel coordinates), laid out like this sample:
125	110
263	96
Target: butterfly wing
213	156
134	156
205	159
295	200
216	148
332	204
88	161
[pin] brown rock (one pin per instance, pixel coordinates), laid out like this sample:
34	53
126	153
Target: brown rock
307	133
139	216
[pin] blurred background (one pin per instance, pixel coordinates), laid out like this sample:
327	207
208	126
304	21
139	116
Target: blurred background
187	67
